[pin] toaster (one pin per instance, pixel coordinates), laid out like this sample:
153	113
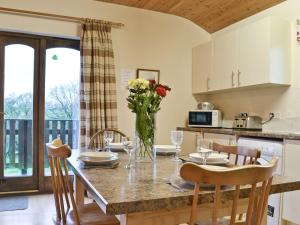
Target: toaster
243	121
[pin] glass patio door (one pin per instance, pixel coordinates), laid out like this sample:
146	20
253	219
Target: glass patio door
18	113
60	105
62	72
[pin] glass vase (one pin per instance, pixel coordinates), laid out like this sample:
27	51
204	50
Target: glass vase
145	138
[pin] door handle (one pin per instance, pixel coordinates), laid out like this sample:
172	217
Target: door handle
239	75
207	83
232	79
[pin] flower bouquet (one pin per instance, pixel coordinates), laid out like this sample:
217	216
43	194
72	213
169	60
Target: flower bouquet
144	100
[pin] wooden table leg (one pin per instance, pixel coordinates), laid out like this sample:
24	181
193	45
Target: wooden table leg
79	192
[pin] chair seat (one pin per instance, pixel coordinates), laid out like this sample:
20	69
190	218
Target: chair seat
90	214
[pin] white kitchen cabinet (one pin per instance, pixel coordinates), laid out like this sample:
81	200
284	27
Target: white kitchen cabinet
263	53
223	139
201	67
256	54
189	142
291	199
225	60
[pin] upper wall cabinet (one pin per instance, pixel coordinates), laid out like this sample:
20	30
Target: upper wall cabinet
264	53
254	55
201	70
224	63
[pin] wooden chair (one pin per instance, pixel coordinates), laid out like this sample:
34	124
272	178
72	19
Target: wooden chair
243	175
97	139
88	214
247	154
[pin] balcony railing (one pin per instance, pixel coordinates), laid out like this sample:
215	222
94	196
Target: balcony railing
18	140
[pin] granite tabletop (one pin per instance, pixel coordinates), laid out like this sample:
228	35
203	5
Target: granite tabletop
145	188
249	133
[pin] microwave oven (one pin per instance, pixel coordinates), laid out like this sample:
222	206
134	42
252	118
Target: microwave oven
205	118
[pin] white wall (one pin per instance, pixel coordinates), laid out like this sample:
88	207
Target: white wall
148	40
285	102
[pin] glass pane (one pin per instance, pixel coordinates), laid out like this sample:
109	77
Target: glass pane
62	97
18	108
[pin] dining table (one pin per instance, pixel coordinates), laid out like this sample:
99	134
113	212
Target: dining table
144	194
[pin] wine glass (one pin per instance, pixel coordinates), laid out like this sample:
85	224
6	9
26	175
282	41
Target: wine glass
129	149
199	142
177	139
204	148
108	138
204	154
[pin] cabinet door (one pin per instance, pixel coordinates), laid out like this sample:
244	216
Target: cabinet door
224	61
253	54
201	70
291	168
223	139
189	142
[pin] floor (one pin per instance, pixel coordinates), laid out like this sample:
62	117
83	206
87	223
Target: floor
40	210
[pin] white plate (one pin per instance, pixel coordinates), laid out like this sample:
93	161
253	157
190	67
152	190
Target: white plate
165	148
116	145
88	161
205	150
213	157
221	162
97	156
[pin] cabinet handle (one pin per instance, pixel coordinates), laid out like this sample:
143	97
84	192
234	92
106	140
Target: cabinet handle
232	79
207	83
239	75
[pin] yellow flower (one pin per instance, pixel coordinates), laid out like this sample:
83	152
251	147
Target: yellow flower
138	83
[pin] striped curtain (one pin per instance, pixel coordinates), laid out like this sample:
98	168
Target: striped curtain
98	102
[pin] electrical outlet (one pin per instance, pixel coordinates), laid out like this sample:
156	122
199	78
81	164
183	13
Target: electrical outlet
277	115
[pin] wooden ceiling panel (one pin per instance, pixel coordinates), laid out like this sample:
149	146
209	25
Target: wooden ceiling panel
211	15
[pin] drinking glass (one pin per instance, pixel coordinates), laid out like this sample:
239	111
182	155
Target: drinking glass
204	148
129	149
177	139
204	154
108	138
199	142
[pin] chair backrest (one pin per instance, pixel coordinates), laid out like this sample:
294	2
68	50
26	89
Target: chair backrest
247	154
97	138
242	175
61	184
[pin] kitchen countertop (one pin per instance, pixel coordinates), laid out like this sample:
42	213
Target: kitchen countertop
249	133
144	187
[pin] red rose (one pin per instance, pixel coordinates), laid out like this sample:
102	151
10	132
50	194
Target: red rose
161	90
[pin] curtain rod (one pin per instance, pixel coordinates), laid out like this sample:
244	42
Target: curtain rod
53	16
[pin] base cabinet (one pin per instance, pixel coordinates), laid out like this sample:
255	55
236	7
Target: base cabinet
223	139
291	200
189	142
